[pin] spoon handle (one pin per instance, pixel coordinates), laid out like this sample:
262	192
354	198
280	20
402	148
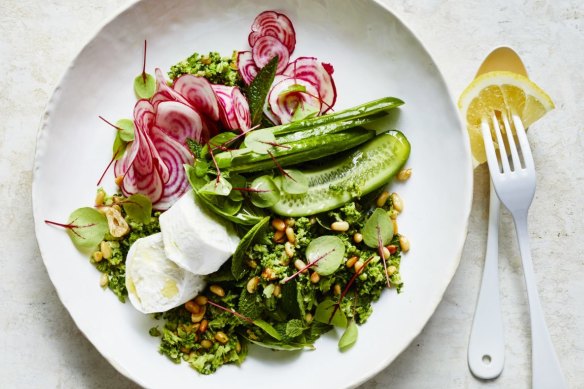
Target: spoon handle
486	347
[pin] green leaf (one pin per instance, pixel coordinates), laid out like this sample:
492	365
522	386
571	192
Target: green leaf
119	146
260	141
145	86
294	88
315	330
249	305
87	228
201	168
138	208
237	181
349	337
195	148
127	129
328	252
325	310
294	328
258	90
223	209
267	193
295	182
304	111
195	181
267	327
378	225
292	300
281	346
237	267
220	187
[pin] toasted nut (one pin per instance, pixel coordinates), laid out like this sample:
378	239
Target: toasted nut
117	225
391	270
397	202
314	278
197	317
206	344
312	220
290	235
290	222
252	264
392	214
216	289
382	199
117	208
252	284
277	291
185	350
337	289
392	248
404	174
203	327
221	337
192	307
351	261
278	224
289	249
106	250
308	317
99	197
341	226
119	179
103	280
97	256
238	347
386	253
404	243
395	228
358	266
357	238
201	300
268	274
279	236
299	265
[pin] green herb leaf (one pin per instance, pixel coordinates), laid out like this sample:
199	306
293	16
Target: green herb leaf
88	228
291	299
258	90
237	181
378	225
237	267
145	86
249	306
194	179
315	330
266	192
224	207
220	187
127	129
119	146
349	337
295	182
324	311
294	328
201	168
267	327
304	111
260	141
281	346
138	208
328	251
195	148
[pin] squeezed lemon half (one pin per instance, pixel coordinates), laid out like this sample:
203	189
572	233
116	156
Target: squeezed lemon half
500	91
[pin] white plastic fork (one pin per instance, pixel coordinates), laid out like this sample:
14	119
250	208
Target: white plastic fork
515	186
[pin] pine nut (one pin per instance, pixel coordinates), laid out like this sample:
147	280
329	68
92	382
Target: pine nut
404	243
290	222
290	235
238	347
185	350
391	270
308	317
97	256
252	264
397	202
341	226
299	265
351	261
289	249
278	224
395	229
192	307
106	250
392	248
314	278
197	317
221	337
357	238
404	174
206	344
386	253
337	289
119	179
358	266
382	199
201	300
252	284
99	197
277	291
393	214
216	289
203	326
103	280
279	236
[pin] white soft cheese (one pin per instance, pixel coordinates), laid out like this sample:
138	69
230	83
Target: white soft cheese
195	238
154	283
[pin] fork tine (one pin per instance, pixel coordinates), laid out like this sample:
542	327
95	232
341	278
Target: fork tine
523	142
502	150
489	148
511	140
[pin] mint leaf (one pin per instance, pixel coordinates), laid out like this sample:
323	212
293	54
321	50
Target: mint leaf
258	90
237	267
294	328
250	305
267	327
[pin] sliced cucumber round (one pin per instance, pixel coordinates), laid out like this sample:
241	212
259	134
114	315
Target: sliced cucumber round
363	170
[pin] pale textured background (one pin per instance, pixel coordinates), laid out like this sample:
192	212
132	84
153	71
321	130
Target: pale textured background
40	347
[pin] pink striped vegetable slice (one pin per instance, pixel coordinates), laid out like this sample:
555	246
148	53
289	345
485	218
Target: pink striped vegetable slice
319	75
199	93
274	24
266	48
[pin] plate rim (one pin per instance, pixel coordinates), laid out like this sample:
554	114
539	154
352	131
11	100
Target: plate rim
460	241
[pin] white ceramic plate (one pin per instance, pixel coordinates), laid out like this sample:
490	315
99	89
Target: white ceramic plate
374	55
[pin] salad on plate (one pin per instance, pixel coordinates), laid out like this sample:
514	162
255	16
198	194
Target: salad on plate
250	211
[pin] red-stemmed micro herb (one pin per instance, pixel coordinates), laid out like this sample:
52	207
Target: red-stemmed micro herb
113	125
274	144
144	63
251	190
309	265
346	290
282	171
214	163
108	166
380	249
70	226
232	311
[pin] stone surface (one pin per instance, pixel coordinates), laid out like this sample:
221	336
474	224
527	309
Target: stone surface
40	345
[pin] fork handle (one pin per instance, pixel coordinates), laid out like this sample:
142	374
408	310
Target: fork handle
486	347
546	370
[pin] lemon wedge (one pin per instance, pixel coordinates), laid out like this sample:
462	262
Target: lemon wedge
500	91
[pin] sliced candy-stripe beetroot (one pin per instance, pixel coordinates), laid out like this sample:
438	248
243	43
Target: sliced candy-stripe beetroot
241	109
277	25
172	155
166	91
311	70
180	121
199	93
228	117
266	48
288	95
246	66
